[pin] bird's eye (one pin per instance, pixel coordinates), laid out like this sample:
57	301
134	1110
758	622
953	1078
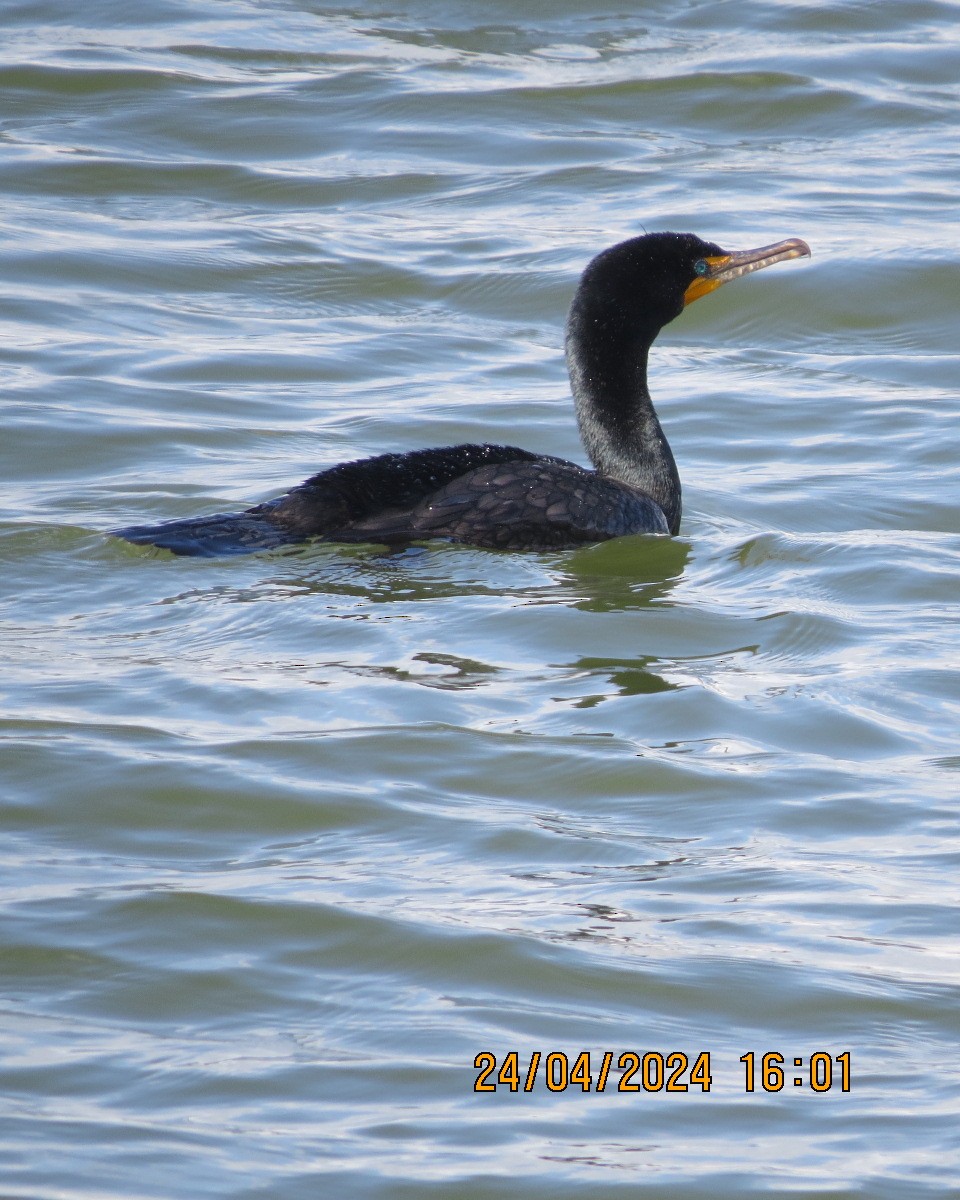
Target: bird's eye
700	267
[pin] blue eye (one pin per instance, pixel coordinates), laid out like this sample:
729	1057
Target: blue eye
700	267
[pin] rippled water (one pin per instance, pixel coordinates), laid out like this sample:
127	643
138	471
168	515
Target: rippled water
290	839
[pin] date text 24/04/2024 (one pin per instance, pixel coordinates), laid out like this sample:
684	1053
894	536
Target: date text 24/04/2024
656	1072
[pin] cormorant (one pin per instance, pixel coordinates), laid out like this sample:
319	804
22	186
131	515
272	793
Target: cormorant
501	496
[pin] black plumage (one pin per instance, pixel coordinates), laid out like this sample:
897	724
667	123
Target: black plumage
502	496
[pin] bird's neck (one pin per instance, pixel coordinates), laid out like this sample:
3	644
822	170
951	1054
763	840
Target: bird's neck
618	423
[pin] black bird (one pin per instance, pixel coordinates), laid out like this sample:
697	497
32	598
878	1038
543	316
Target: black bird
501	496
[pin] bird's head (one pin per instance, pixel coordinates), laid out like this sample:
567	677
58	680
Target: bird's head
642	284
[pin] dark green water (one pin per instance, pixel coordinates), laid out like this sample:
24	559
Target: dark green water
288	840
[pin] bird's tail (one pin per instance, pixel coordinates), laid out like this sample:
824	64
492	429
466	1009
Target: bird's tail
207	537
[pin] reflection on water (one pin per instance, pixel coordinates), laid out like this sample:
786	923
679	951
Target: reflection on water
627	678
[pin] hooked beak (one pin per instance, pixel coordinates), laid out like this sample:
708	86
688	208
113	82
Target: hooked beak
721	268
